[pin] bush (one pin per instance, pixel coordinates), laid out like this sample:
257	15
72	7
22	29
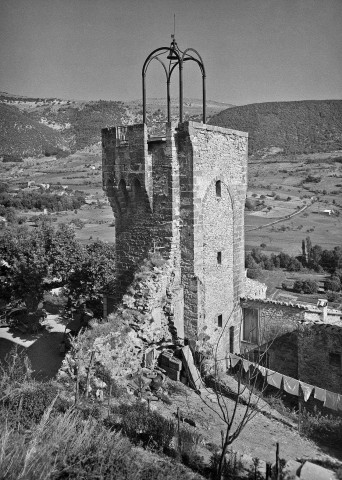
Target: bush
333	284
322	428
188	441
333	296
26	406
305	286
148	428
253	273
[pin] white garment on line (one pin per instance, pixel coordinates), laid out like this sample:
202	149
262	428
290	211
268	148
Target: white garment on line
274	378
306	389
291	385
320	394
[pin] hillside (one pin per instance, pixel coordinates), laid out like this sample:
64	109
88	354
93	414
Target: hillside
78	123
21	136
287	127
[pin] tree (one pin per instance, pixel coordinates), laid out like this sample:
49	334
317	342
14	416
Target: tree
237	413
333	284
92	276
308	247
305	286
36	261
304	257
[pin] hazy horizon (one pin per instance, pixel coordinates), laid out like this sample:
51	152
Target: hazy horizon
254	51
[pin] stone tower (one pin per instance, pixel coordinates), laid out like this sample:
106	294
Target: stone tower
183	193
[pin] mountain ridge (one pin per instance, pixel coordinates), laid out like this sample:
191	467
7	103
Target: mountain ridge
29	124
301	126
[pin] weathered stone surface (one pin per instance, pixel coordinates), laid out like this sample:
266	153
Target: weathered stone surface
310	471
190	368
291	470
184	197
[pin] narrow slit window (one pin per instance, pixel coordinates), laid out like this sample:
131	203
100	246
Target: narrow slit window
219	258
231	339
218	188
219	320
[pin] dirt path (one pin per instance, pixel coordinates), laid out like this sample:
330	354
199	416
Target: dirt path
283	219
259	437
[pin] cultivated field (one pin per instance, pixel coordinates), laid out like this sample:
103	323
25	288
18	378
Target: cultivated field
283	183
279	182
82	172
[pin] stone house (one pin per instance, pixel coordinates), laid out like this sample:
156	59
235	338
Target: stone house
301	342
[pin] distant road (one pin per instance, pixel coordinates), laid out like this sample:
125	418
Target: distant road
283	219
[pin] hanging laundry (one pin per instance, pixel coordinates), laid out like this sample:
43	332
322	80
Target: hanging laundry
291	385
246	364
339	403
306	389
274	378
331	400
263	370
234	359
320	394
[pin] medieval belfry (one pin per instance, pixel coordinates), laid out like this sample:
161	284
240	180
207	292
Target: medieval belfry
182	192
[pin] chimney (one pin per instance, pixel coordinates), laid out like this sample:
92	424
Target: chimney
323	305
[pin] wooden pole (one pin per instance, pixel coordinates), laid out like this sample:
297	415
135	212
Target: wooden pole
88	373
277	463
178	424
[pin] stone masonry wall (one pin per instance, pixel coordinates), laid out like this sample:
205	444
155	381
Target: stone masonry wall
165	198
144	204
212	223
278	329
315	345
311	352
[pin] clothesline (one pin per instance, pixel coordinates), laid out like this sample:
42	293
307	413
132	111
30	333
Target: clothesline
330	400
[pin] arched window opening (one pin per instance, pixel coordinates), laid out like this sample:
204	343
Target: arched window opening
123	194
218	188
138	196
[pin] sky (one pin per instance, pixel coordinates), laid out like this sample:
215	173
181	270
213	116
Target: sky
253	50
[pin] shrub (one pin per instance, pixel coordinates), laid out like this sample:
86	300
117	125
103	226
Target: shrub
253	273
148	428
249	204
322	427
26	406
333	296
333	284
305	286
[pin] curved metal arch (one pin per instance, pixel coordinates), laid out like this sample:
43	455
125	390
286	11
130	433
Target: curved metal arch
144	70
201	65
181	57
156	57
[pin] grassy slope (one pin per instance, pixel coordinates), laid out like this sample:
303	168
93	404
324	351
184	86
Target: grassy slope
22	136
296	127
80	122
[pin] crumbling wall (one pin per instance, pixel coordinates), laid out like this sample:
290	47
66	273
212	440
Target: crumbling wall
147	318
320	356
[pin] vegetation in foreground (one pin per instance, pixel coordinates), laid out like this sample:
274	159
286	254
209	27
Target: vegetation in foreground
36	261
